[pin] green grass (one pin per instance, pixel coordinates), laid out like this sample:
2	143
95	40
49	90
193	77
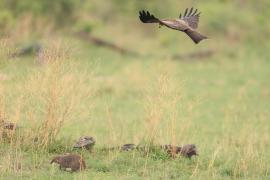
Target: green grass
220	103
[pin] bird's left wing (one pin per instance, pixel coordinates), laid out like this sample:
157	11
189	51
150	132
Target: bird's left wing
146	17
191	17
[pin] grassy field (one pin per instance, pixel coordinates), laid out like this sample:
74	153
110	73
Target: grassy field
220	102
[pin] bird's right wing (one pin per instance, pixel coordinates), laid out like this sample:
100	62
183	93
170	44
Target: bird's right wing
191	17
146	17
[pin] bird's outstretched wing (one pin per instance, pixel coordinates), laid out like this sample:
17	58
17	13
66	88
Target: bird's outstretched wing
191	17
146	17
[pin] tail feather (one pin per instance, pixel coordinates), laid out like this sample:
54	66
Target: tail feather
195	36
146	17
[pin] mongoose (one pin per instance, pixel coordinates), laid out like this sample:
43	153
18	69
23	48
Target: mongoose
128	147
171	150
86	142
9	126
125	147
189	150
69	162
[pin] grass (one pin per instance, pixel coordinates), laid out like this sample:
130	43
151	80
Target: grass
220	103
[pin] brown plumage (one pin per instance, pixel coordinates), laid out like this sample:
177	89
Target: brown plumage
187	23
69	162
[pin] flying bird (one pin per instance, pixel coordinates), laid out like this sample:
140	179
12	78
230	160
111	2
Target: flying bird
187	23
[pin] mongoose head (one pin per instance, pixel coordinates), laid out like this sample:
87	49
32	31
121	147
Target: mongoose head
56	159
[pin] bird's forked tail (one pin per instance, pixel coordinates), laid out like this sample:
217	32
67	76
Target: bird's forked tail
195	36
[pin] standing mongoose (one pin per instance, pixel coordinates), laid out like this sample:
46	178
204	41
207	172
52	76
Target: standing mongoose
69	162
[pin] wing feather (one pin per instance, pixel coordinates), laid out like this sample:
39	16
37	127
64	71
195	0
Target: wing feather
195	12
191	17
185	12
190	11
146	17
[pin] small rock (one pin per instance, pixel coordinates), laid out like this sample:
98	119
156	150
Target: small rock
69	162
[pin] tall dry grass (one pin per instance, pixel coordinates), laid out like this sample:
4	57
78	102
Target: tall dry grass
44	100
168	114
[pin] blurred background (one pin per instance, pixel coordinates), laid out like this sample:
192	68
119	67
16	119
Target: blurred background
106	41
124	63
224	21
89	67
